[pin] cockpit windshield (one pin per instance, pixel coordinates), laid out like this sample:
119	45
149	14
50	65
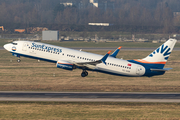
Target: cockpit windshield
14	43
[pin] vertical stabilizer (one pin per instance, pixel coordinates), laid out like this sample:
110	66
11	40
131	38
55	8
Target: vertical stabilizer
159	57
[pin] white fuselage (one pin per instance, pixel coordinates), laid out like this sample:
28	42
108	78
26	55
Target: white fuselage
54	53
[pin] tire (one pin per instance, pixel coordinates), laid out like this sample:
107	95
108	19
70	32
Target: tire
86	73
83	74
18	60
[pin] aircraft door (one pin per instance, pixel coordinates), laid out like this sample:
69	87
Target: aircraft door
24	47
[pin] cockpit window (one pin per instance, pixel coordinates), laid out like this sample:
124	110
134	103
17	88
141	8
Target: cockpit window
14	43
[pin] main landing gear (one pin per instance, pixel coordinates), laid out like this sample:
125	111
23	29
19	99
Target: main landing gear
84	73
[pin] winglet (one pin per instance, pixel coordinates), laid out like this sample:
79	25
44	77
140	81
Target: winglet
109	52
119	47
114	54
105	57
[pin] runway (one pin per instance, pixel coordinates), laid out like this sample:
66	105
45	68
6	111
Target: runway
90	96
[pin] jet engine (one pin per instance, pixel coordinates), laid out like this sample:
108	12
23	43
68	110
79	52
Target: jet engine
65	65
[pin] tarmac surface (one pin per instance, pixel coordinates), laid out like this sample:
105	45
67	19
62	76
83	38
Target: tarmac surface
91	96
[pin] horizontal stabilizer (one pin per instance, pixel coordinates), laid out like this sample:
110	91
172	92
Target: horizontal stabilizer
114	54
161	70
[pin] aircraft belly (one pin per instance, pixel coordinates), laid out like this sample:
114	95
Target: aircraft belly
136	70
111	70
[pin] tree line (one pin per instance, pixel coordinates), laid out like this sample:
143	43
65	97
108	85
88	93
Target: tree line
127	15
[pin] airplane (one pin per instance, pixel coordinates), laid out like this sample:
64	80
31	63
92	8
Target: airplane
71	59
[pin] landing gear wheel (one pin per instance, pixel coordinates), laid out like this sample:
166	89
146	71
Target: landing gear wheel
84	74
18	60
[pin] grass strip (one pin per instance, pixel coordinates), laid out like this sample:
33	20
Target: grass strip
88	110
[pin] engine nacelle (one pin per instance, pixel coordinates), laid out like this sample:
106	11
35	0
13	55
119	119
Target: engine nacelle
65	65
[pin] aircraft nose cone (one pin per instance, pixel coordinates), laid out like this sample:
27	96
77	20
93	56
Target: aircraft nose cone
6	46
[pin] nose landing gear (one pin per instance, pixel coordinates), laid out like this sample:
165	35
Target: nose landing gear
18	60
84	73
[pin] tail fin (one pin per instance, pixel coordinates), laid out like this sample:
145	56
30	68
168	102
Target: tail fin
159	57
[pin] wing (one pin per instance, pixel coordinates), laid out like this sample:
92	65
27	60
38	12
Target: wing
94	63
